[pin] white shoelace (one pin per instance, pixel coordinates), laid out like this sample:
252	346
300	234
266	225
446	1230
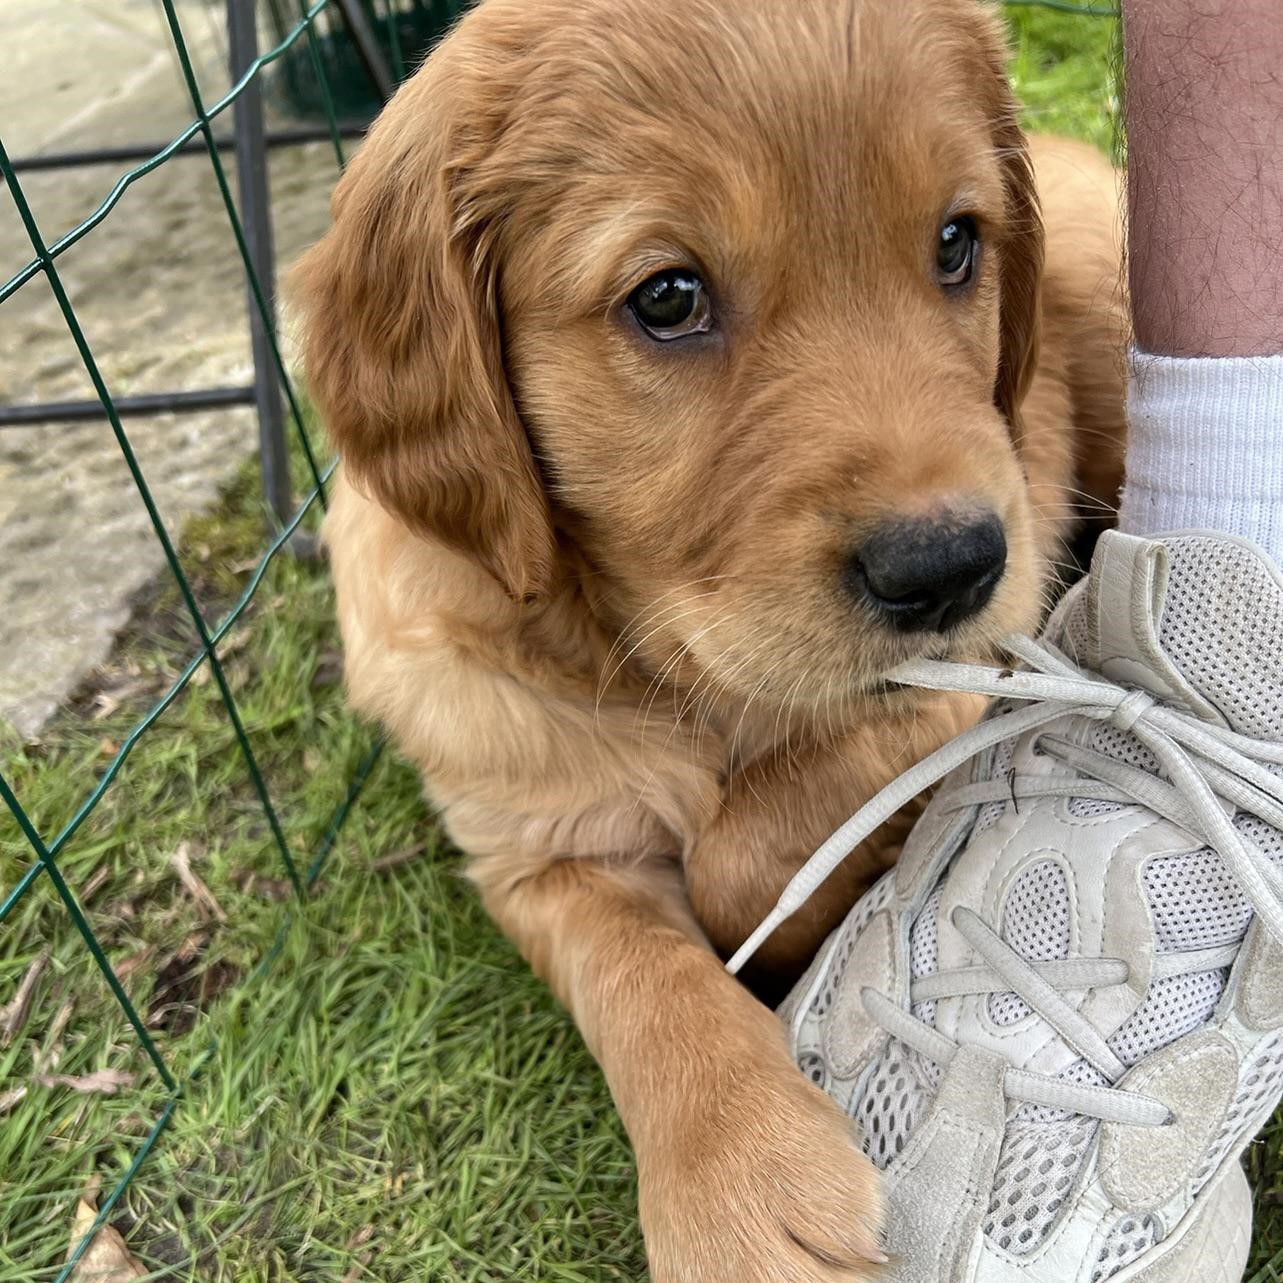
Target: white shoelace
1204	764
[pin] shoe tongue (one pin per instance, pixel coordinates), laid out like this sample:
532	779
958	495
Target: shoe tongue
1196	619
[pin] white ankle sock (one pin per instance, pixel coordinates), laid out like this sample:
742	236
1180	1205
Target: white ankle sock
1205	447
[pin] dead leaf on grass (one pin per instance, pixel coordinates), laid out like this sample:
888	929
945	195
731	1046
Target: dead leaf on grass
106	1082
232	644
49	1058
396	858
107	1259
14	1015
238	675
109	699
359	1239
8	1099
182	864
192	947
127	966
95	884
120	912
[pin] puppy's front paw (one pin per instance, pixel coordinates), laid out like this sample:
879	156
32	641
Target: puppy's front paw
767	1186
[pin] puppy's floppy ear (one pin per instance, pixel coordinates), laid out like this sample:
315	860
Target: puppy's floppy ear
1022	248
403	349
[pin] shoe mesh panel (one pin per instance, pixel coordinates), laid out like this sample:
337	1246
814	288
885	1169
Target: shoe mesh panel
1268	838
1036	926
1172	1008
1220	628
812	1065
1037	1168
1036	919
893	1103
1091	808
1128	1241
1120	744
1194	901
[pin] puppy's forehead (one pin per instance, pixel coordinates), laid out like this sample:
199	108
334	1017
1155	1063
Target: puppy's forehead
756	122
771	60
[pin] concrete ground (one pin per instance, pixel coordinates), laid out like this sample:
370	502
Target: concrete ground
160	295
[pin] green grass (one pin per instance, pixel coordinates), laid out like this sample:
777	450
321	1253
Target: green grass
1063	70
392	1096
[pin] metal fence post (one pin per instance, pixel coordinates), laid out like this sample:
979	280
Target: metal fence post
256	217
367	47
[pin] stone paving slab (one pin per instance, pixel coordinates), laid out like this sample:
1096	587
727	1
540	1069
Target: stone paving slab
158	289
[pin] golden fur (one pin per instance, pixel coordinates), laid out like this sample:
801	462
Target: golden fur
590	585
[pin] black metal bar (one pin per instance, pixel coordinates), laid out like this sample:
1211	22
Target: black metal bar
19	416
291	137
367	47
256	218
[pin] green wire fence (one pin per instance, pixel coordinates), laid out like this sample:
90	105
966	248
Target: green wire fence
317	80
320	39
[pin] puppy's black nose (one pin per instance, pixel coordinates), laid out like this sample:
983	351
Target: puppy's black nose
929	574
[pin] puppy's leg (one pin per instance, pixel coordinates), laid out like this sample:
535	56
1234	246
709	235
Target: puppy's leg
748	1173
780	808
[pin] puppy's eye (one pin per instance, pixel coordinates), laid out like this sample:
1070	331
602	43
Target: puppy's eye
956	251
672	304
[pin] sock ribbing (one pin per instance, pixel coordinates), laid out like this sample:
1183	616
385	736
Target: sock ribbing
1205	447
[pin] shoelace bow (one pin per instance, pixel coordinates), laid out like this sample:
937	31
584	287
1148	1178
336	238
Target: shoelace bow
1206	766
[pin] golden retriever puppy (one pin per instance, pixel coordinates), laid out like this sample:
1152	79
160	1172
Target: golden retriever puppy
694	362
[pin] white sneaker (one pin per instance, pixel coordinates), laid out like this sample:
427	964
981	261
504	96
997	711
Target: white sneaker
1059	1020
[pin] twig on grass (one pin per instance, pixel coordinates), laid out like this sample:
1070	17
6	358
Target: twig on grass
14	1015
397	858
181	861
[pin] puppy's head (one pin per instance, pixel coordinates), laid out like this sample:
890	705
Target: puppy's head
739	296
